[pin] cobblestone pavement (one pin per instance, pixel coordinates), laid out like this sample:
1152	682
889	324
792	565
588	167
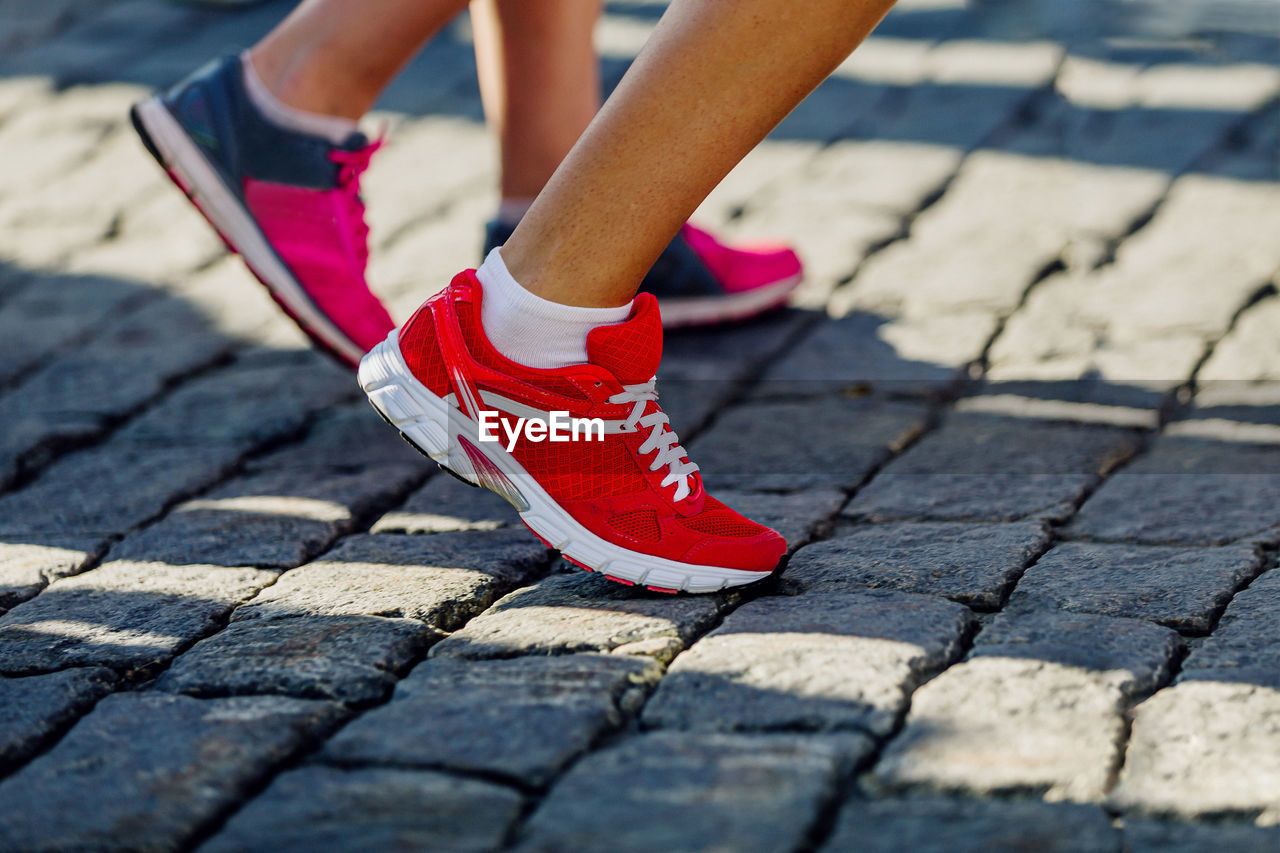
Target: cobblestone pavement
1031	601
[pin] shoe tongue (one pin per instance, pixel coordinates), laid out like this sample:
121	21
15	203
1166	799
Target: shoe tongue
630	350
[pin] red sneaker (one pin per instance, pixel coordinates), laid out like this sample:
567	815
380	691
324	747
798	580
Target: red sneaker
622	498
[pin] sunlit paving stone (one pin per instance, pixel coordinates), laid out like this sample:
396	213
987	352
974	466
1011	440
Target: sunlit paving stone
276	519
27	568
124	615
583	612
1204	748
1035	710
442	580
818	661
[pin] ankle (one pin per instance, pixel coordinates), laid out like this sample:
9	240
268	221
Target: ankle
300	85
335	129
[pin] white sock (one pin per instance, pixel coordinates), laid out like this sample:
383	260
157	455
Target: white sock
531	330
512	210
333	128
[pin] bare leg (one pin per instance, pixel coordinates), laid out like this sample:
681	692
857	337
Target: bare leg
335	57
540	81
714	79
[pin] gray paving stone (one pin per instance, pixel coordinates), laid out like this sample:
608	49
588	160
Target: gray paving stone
106	490
523	719
1183	588
858	352
953	825
245	404
350	659
347	438
27	568
1204	748
39	706
686	792
979	467
789	446
974	564
124	615
442	580
26	23
187	761
1242	646
39	320
76	396
584	612
1143	652
1018	718
445	504
838	660
1143	835
324	808
277	518
1189	492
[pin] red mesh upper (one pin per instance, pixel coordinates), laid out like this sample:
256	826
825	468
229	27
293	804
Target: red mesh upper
582	470
421	353
632	350
716	519
639	524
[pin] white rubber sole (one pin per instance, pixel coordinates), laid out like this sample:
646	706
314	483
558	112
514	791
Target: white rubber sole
193	173
709	310
447	436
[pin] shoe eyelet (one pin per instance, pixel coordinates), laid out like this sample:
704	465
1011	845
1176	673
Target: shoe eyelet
598	383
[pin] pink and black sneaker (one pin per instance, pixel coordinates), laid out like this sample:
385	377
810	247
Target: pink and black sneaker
700	280
287	202
616	493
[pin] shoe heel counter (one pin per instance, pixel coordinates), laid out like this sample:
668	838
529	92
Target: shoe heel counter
421	351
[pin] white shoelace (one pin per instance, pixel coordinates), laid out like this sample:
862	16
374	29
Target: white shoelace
661	437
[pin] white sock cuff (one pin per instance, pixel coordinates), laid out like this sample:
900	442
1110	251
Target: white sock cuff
531	330
333	128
